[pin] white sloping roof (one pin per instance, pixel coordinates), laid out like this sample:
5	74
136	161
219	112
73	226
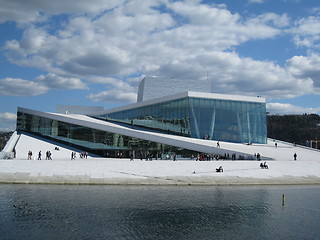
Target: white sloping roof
284	151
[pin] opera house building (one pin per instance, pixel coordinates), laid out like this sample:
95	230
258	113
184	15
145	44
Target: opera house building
170	117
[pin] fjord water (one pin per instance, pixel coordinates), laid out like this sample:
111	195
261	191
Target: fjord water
159	212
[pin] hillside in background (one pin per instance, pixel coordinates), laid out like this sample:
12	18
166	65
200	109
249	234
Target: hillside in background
4	137
299	129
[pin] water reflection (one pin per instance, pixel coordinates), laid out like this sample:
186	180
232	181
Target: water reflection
194	213
119	212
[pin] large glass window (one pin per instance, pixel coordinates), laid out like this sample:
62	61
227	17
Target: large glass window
216	119
95	141
169	117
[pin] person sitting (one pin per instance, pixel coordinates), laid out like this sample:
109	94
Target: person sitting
220	169
261	165
265	165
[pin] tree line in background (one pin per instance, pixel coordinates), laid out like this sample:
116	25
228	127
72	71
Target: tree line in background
4	138
299	129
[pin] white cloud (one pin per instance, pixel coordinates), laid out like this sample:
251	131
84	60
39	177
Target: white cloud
117	40
287	109
40	85
256	1
113	96
306	67
113	82
306	32
232	74
8	121
119	91
53	81
20	87
135	37
315	10
104	80
37	10
208	28
8	117
272	18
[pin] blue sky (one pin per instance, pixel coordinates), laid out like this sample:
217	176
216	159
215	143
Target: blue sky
96	52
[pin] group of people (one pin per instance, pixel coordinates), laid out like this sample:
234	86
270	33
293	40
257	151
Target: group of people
219	169
82	155
48	155
119	155
209	157
264	165
257	156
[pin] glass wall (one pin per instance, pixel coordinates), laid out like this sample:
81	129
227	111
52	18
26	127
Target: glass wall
169	117
214	119
225	120
95	141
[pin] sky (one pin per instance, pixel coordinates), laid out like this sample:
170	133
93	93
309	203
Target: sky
95	53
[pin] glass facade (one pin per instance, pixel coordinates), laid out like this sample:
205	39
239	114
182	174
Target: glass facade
169	117
94	141
214	119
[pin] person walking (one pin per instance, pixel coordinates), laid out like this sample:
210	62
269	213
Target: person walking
39	155
258	157
48	155
72	155
29	155
295	156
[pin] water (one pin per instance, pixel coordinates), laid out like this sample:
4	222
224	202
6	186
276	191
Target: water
146	212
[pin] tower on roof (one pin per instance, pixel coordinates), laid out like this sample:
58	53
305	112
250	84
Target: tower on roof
155	87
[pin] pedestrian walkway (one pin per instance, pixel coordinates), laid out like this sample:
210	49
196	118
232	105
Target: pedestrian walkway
158	172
